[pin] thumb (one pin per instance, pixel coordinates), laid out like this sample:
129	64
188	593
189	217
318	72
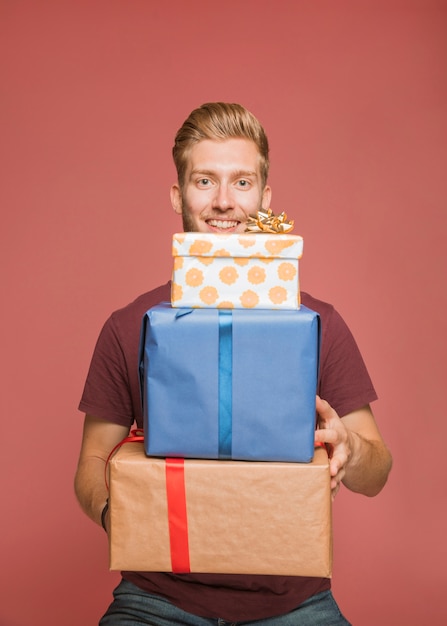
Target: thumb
324	410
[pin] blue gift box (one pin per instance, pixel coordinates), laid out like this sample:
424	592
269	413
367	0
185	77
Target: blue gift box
229	384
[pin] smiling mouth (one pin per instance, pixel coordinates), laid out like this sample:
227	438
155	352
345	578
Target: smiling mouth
223	224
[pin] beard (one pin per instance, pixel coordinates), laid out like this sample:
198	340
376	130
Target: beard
188	224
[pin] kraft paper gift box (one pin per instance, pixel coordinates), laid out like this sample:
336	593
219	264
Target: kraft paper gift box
229	384
248	270
229	517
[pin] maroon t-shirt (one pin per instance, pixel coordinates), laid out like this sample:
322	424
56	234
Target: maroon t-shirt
112	393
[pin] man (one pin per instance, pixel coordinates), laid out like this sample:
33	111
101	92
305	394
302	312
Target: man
221	156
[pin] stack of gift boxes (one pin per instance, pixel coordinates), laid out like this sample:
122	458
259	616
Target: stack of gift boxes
228	479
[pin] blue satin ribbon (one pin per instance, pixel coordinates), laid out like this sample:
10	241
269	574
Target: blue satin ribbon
225	383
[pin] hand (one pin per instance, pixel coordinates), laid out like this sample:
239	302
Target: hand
333	432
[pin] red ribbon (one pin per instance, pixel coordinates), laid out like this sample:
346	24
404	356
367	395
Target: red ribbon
177	515
176	500
136	435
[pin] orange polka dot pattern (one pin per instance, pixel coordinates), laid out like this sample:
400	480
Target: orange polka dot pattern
236	271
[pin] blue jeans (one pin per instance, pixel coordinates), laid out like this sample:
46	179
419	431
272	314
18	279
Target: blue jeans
134	607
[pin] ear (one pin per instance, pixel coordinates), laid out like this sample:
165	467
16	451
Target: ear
176	198
266	197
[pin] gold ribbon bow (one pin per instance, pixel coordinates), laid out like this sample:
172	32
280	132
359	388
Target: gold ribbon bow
266	222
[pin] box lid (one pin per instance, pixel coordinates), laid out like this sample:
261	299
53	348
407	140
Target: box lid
252	245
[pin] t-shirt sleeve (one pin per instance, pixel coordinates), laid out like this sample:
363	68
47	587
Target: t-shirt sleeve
107	392
344	379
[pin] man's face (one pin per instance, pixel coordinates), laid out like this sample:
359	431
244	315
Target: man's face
222	187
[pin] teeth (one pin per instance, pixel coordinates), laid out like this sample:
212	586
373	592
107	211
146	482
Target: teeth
222	224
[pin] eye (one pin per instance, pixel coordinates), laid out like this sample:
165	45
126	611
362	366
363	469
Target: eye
244	183
204	182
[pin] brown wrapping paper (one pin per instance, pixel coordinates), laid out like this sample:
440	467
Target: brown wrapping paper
243	517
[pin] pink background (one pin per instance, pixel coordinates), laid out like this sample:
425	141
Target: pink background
353	97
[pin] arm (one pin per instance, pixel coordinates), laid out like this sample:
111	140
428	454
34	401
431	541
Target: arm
98	440
360	458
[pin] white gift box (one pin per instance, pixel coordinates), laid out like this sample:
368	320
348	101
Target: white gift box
247	270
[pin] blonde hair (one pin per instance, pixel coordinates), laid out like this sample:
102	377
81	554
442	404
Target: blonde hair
219	121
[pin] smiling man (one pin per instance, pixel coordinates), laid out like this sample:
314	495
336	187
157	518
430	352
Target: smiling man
221	156
222	186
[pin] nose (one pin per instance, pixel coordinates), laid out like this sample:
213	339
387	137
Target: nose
223	198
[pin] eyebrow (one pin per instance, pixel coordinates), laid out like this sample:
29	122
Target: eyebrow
236	174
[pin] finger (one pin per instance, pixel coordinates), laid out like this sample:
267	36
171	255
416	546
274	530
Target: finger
321	405
326	435
337	466
337	477
324	410
334	491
